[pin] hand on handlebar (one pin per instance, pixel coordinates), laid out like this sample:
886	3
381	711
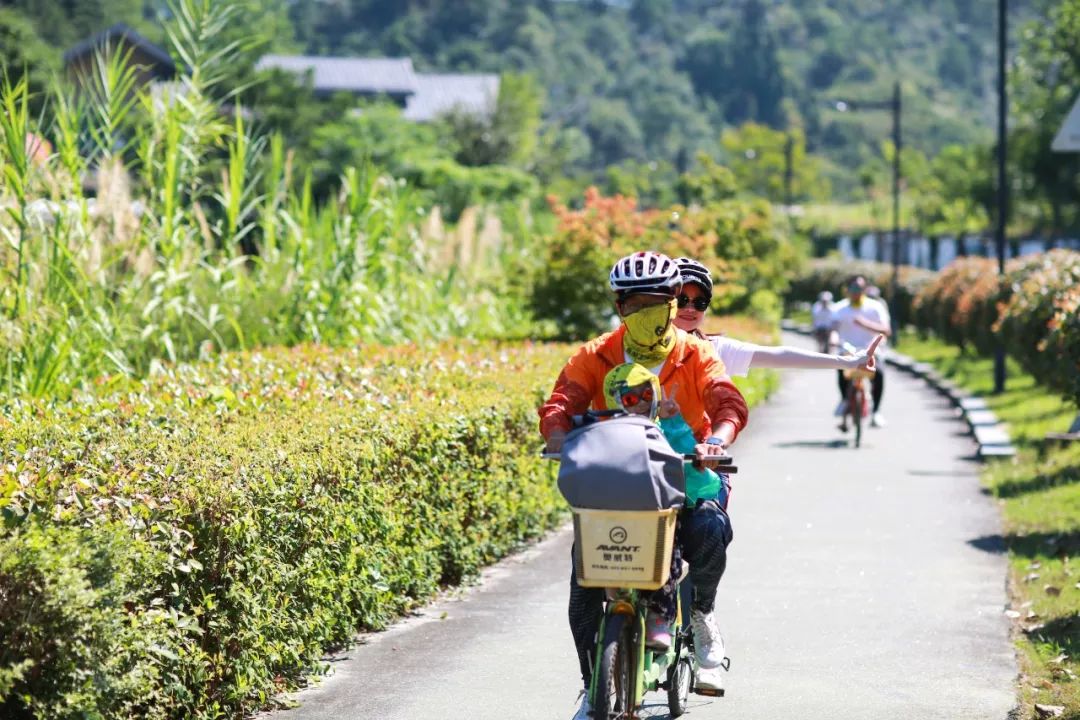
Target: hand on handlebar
555	441
709	456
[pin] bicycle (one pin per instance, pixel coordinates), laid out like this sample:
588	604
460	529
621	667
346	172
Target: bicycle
628	553
857	400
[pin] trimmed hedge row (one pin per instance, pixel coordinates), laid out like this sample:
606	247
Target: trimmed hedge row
1034	309
187	546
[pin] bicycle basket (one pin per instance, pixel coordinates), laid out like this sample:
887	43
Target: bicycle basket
621	464
625	549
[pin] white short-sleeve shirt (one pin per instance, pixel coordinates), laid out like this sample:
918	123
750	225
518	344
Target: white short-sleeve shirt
736	355
822	314
844	320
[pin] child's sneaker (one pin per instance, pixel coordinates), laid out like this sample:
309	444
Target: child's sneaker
657	632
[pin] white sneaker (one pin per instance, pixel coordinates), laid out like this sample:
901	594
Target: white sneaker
877	420
585	711
709	679
708	643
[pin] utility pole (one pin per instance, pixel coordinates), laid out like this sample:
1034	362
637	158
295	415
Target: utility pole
789	170
1003	186
896	106
897	145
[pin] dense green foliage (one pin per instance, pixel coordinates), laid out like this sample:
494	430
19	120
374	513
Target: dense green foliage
174	548
658	78
204	236
650	80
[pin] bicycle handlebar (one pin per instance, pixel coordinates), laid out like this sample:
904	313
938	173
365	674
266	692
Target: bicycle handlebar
725	462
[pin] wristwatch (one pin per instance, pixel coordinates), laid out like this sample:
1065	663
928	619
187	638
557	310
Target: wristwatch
716	441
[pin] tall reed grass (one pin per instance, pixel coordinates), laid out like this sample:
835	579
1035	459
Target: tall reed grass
202	235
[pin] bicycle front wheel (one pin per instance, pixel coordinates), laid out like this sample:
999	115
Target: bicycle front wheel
614	698
856	409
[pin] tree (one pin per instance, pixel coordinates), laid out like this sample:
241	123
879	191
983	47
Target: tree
23	52
757	155
62	23
757	85
508	135
1046	79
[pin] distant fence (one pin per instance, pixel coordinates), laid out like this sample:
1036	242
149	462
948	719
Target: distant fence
930	252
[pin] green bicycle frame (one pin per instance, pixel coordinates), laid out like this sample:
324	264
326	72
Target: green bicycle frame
651	667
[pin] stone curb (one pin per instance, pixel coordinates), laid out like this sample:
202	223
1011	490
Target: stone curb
991	436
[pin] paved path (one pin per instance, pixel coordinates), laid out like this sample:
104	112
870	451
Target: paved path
861	584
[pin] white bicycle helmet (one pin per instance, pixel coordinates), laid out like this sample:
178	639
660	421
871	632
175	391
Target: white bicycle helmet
694	272
645	272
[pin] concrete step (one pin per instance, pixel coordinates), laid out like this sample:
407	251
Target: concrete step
991	435
997	451
922	369
981	417
974	403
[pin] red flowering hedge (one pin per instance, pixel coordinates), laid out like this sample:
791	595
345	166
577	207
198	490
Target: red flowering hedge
1040	319
748	253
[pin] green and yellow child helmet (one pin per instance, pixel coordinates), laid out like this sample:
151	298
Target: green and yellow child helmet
621	379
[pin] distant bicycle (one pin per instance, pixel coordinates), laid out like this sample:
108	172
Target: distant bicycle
857	402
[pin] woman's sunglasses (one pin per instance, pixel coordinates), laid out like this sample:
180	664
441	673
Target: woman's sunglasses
631	399
701	304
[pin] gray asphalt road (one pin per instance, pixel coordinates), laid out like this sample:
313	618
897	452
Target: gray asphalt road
861	584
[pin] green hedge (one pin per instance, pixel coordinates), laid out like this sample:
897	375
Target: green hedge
187	546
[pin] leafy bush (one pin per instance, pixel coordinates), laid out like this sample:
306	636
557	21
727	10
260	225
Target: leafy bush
1040	322
71	648
746	251
185	546
952	304
456	187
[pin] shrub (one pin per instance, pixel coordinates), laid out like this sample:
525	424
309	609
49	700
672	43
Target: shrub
749	256
71	647
194	542
1039	321
948	303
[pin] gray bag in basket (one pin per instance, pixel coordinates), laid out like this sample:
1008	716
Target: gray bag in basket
624	463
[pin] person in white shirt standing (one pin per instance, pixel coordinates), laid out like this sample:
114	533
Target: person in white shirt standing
858	320
822	318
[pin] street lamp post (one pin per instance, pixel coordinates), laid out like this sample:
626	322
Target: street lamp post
1002	188
895	105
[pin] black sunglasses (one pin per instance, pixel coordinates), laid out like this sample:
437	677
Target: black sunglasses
701	304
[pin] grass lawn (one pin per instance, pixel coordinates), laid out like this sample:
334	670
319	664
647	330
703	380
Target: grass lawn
1039	496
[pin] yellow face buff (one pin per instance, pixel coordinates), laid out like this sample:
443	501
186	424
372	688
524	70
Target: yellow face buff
650	335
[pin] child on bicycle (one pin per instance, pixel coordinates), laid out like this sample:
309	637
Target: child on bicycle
633	388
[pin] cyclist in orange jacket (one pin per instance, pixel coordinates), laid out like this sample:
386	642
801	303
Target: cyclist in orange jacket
645	286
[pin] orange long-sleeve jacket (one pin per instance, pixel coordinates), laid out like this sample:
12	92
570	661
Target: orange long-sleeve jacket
706	395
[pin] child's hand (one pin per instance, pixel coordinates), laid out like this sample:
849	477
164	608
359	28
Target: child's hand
668	405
